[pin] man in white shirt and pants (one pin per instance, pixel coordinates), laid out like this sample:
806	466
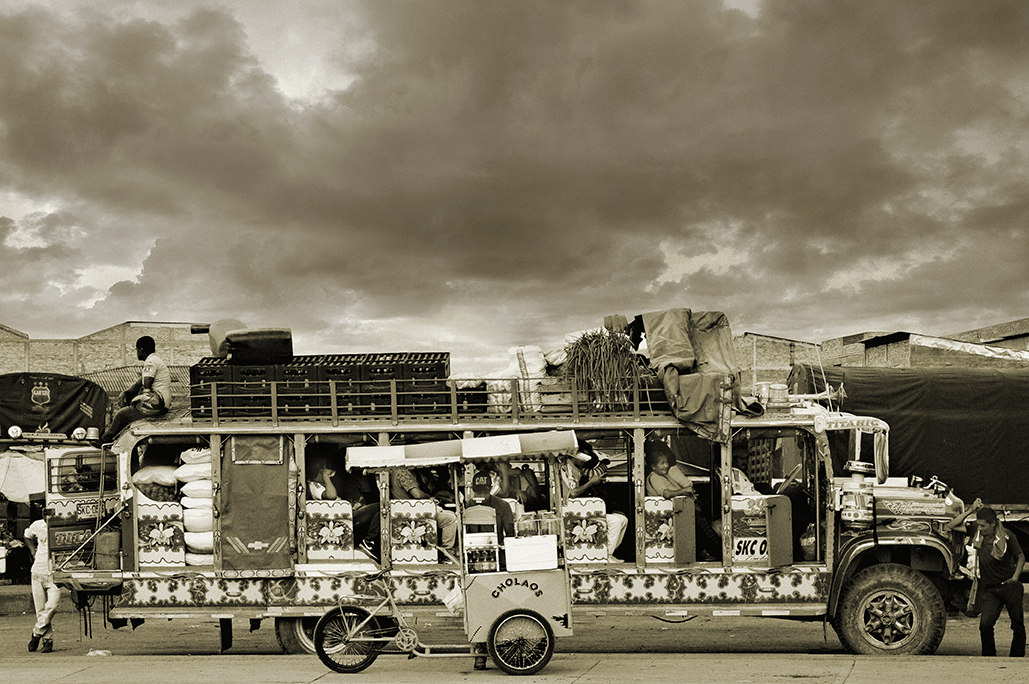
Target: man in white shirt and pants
45	594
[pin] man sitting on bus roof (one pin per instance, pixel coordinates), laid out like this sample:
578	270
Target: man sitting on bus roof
147	397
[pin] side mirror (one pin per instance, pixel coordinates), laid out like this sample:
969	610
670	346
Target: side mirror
882	457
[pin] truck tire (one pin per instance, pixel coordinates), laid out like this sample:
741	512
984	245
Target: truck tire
296	634
890	609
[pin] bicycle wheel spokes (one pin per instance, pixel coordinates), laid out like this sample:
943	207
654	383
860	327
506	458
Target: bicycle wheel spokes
521	643
344	641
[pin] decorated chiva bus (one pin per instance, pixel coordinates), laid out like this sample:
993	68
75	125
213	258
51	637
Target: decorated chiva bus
630	459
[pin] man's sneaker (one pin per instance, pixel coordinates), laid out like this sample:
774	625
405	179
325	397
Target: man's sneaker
480	662
48	646
34	642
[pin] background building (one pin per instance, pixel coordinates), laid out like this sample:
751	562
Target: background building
108	356
113	347
1005	345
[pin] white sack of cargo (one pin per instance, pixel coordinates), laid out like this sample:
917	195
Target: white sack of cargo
198	519
196	455
160	475
200	489
196	502
199	542
199	558
193	471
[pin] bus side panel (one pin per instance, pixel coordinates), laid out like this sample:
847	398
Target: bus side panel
708	587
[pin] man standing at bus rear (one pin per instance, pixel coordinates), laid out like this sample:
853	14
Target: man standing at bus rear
147	397
45	594
1000	560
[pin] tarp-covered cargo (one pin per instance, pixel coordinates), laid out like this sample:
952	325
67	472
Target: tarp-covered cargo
694	357
48	403
967	426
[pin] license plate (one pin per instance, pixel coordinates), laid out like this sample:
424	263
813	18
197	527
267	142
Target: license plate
86	509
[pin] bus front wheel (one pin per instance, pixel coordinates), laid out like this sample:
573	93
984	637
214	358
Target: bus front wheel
891	609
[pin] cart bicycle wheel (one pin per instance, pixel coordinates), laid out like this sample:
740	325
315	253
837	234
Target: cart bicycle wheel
521	642
340	639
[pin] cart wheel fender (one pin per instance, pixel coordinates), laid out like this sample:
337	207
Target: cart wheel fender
891	609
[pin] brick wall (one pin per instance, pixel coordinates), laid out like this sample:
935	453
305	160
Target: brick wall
112	347
994	334
763	358
891	355
846	351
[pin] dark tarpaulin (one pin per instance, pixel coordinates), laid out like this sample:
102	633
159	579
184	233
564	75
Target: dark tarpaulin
967	426
254	503
694	357
49	402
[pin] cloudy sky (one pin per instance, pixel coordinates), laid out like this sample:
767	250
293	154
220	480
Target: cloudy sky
471	175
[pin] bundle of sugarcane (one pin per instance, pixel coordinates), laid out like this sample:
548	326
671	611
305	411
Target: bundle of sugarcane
605	367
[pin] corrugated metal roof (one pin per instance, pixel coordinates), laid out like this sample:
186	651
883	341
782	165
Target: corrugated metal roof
116	380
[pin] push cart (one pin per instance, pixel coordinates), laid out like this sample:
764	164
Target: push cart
515	595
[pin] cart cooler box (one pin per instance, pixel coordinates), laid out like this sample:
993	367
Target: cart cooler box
531	553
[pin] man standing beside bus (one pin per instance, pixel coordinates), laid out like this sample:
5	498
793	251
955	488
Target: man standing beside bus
1000	560
147	397
45	594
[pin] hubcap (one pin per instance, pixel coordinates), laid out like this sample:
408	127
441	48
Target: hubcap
889	619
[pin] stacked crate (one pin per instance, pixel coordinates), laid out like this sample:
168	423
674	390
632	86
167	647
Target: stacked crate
377	375
299	391
424	388
363	385
342	373
203	375
251	391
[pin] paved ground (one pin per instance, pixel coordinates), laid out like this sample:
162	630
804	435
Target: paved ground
563	669
592	635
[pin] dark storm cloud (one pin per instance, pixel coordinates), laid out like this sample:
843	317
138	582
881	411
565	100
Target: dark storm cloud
493	174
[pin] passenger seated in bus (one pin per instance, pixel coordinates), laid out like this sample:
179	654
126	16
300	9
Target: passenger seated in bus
320	486
579	475
405	484
482	485
326	484
520	484
666	479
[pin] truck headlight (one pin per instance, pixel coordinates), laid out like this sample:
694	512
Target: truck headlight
14	432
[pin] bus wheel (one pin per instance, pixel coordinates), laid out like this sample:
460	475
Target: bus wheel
296	635
346	641
891	609
521	642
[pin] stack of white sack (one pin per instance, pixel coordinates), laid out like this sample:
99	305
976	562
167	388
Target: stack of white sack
197	505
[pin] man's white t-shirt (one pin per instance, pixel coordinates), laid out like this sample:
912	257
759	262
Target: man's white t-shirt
155	367
41	562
